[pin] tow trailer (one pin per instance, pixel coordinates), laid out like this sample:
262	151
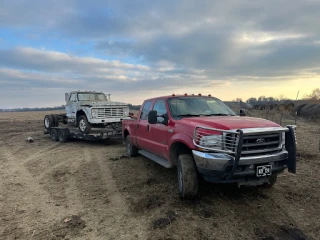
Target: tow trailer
67	132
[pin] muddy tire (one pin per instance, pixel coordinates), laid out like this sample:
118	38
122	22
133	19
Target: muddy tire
54	134
62	136
187	176
131	150
272	181
48	122
84	125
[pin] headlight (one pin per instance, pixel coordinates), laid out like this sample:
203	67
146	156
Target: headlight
211	141
126	112
94	112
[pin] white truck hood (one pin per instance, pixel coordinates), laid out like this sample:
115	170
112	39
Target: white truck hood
103	103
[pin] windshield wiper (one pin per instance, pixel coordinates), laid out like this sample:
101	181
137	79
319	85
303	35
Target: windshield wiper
188	115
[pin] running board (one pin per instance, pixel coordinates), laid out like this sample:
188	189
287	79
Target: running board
155	158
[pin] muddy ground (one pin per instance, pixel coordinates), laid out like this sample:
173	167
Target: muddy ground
84	190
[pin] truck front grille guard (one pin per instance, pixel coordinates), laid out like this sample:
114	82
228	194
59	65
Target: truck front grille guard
231	141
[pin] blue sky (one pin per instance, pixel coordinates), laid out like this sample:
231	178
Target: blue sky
137	49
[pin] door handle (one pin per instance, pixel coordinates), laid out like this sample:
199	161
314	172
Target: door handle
148	127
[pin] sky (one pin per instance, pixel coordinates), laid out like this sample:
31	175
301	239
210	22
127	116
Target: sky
138	49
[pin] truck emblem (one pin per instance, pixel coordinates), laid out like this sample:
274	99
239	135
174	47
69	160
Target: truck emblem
260	140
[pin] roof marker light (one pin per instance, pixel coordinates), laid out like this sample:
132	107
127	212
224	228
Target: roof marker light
209	95
186	94
173	94
199	94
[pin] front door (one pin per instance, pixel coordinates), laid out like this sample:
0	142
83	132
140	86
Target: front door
158	133
71	108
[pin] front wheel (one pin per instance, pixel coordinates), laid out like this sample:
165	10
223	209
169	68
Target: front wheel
131	150
84	125
187	176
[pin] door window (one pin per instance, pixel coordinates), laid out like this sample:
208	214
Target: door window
73	97
160	107
145	110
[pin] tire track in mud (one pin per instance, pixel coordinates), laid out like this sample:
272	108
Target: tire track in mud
25	201
104	206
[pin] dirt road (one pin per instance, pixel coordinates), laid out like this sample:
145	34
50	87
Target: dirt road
84	190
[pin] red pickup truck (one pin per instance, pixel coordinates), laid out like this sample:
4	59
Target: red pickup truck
204	138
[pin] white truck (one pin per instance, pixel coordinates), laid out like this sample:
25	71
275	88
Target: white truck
89	115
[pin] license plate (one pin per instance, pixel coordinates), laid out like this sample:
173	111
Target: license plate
264	170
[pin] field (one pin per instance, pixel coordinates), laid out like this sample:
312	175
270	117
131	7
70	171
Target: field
86	190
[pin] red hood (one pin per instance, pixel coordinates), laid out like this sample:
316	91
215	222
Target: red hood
228	122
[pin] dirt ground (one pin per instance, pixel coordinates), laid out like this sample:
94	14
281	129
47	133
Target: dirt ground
86	190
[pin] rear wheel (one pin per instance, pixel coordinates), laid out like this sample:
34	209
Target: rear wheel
187	176
84	125
131	150
62	136
48	122
54	134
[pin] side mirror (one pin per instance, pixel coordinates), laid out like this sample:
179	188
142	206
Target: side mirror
152	117
66	97
242	112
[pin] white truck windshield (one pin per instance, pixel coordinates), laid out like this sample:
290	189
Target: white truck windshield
92	97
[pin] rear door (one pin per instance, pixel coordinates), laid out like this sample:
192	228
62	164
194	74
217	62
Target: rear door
143	126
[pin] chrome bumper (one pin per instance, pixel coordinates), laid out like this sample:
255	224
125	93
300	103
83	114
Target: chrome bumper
218	161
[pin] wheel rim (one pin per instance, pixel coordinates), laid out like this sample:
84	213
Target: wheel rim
82	125
46	123
128	147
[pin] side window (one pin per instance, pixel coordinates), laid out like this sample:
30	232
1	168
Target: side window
160	107
73	97
145	110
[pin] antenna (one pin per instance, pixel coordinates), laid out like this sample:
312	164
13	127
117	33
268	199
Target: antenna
298	95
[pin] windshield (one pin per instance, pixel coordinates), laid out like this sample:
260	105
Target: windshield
92	97
198	106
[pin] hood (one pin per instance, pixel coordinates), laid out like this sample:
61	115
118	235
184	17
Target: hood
102	103
228	122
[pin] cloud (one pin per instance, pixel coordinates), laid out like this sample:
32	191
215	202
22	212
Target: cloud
132	45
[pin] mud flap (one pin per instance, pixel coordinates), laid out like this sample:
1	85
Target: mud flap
291	148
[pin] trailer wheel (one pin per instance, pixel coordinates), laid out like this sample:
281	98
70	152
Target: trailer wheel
54	134
131	150
62	136
48	122
187	176
84	125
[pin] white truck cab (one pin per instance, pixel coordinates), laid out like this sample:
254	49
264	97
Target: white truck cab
87	109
